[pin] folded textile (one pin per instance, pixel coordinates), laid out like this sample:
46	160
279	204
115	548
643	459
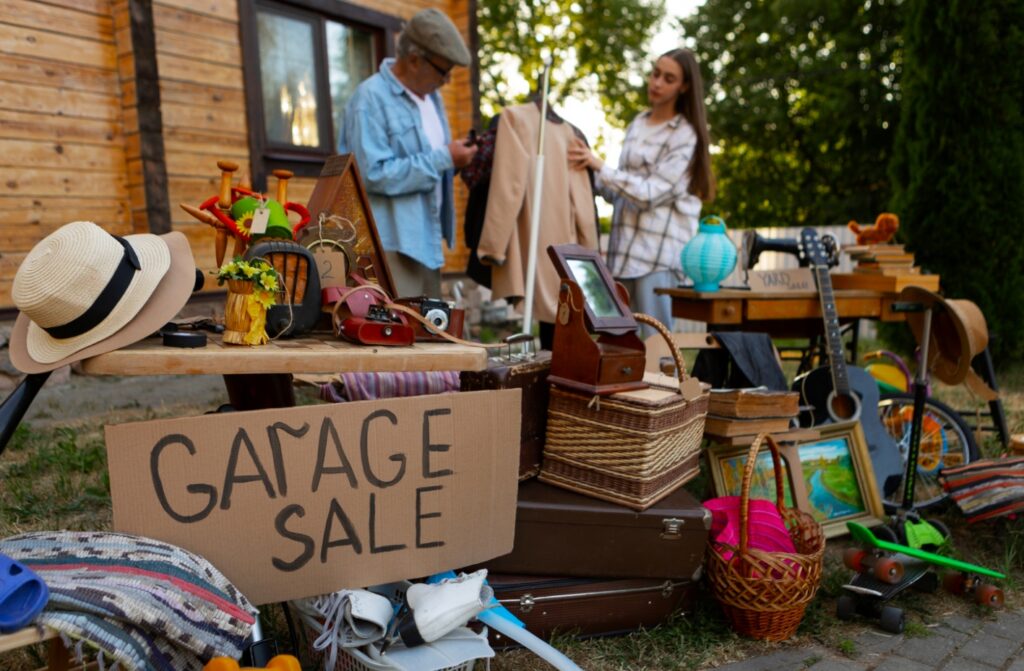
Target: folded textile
143	603
986	488
373	386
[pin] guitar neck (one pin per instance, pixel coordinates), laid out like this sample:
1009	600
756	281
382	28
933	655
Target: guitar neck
834	341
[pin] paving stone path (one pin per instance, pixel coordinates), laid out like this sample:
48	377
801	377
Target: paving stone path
958	643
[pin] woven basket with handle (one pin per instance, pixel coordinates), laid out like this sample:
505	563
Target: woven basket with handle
622	448
764	594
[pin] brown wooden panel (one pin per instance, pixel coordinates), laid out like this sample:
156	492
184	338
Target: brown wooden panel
189	69
69	104
208	118
101	7
225	49
56	47
193	93
27	70
205	142
189	164
22	235
190	190
32	14
133	173
26	125
218	8
174	19
60	182
73	157
803	308
34	204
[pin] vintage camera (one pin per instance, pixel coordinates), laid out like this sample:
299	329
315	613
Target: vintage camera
440	313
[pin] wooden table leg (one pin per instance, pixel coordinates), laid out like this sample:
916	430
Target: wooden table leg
57	658
259	391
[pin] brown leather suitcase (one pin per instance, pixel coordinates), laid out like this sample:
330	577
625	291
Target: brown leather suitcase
530	375
588	607
564	533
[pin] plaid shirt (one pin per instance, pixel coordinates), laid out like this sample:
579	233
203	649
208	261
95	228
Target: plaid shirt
655	215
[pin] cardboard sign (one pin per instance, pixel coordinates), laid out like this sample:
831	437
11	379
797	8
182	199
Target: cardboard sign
295	502
792	279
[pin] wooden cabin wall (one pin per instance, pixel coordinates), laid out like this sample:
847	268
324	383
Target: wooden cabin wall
203	104
62	133
70	144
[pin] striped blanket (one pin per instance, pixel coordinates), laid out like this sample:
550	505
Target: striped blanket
986	488
373	386
144	604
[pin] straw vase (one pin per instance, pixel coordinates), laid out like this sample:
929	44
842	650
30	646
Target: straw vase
236	317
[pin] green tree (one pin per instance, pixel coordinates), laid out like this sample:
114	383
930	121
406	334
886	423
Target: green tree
958	164
802	104
598	48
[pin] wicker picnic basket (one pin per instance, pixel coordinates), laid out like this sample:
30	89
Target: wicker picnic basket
764	594
625	448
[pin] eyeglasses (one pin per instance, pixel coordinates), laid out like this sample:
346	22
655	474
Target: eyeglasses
444	72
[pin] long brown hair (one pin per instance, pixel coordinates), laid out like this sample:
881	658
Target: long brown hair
690	104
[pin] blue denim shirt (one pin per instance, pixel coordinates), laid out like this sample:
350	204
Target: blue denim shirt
400	170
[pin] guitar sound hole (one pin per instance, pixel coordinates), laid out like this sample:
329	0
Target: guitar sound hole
844	407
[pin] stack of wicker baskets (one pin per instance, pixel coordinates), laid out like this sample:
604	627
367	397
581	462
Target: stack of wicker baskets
764	594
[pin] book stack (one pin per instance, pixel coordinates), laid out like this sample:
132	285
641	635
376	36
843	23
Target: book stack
734	413
888	267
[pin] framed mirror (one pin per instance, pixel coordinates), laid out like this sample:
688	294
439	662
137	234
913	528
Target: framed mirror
605	311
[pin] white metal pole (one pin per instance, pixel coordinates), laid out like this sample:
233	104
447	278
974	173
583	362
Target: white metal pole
538	187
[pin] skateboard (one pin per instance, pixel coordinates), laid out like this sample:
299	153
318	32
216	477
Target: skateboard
885	569
868	596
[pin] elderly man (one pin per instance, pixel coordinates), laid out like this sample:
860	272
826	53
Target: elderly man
395	125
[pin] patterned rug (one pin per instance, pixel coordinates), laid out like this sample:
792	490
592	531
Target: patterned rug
143	604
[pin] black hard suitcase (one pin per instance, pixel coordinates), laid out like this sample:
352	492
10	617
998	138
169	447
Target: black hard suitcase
530	375
564	533
588	607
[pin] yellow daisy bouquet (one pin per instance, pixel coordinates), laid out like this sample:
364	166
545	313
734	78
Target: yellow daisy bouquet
252	286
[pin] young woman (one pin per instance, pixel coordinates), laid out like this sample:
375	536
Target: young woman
664	175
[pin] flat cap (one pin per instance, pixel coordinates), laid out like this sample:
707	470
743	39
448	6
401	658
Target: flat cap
435	32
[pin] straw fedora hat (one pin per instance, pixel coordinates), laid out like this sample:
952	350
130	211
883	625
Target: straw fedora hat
958	333
82	291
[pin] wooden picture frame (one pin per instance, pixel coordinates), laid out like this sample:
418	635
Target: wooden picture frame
604	309
839	455
841	452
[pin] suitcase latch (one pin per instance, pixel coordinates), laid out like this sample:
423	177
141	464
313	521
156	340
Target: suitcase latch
526	603
671	528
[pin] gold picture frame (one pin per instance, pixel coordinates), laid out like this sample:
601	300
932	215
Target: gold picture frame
829	477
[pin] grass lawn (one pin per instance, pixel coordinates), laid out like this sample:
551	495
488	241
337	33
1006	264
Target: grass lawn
54	476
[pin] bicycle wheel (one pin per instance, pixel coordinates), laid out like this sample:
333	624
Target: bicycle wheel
946	441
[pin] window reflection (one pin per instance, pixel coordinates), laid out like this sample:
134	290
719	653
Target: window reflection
289	80
350	59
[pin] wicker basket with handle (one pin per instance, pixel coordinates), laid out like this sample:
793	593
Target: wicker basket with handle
625	448
764	594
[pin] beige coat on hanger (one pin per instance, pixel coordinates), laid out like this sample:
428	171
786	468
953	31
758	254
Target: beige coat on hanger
567	214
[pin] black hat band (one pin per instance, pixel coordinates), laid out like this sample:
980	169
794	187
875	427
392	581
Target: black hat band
106	301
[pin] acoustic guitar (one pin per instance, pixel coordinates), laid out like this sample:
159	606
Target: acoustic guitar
838	392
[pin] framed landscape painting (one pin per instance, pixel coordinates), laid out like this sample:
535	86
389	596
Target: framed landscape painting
838	479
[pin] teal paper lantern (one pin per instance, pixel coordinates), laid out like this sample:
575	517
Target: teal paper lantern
710	256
